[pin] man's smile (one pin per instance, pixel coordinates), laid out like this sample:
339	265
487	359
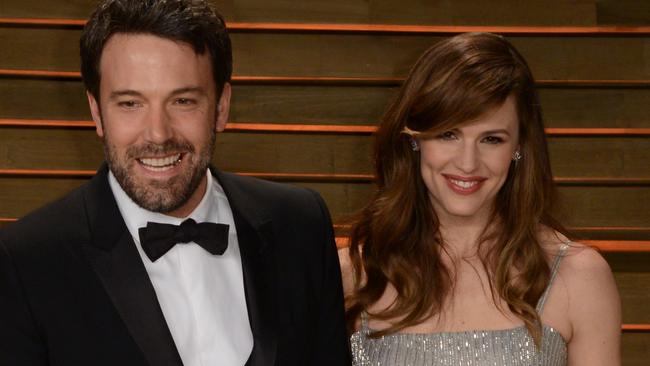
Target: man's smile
160	164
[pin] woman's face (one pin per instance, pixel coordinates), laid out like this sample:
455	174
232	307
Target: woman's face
464	168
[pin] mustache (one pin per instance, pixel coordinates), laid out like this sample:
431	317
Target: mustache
167	147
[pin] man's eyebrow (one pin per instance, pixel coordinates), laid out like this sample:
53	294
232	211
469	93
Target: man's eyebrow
189	89
132	93
126	92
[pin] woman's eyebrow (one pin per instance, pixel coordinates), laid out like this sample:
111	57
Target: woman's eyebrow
497	131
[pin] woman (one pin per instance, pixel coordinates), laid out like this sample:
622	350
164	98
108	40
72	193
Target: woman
457	260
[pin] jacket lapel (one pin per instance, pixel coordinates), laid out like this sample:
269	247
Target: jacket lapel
255	236
115	259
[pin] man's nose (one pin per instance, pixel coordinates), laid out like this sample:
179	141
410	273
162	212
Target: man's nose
158	125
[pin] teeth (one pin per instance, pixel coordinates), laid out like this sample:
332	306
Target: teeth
161	162
464	184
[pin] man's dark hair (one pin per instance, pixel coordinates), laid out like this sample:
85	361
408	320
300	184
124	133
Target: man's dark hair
191	21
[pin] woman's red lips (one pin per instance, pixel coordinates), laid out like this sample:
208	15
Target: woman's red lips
464	185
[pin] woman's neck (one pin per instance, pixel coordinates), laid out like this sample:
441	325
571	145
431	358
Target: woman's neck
462	235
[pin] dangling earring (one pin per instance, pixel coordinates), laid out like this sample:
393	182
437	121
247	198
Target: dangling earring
516	156
414	145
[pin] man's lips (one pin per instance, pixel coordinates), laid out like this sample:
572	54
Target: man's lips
160	163
464	185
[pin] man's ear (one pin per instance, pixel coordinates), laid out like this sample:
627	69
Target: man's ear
96	114
223	108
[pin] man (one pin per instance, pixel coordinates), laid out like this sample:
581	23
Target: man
159	259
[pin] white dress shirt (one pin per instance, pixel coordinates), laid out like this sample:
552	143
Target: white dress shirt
201	295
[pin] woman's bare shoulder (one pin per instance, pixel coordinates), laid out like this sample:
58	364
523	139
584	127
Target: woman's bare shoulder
579	258
583	271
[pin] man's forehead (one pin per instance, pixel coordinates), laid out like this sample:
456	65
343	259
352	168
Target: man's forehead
120	39
138	61
148	48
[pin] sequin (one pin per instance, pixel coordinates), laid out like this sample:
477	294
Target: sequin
508	347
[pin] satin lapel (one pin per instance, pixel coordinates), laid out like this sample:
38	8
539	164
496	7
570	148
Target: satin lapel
113	255
255	236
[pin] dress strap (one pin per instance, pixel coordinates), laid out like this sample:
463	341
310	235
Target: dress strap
364	320
554	269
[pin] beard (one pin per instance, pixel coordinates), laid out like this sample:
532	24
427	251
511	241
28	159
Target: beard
156	195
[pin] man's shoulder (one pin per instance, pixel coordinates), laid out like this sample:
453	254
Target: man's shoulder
264	191
280	201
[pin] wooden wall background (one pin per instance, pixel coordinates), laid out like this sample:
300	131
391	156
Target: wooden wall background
312	78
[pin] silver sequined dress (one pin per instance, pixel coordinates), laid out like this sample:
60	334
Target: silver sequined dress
507	347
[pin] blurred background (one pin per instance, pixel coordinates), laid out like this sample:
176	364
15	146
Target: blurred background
311	80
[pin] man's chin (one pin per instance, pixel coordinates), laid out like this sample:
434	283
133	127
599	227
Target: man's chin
155	194
161	201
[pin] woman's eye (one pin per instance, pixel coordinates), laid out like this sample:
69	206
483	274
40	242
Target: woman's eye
493	140
447	136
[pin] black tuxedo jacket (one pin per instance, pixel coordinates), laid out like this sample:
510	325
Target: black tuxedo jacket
74	291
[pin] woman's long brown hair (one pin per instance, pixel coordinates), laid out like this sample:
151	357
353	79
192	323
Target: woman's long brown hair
396	238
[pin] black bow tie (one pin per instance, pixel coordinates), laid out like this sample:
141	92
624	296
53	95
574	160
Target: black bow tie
157	239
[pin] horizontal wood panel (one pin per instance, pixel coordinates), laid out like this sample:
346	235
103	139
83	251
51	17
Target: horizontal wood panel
40	98
336	80
634	288
570	107
366	28
634	349
589	156
610	233
563	107
508	12
623	12
327	104
447	30
49	148
298	128
606	206
58	49
312	104
355	55
358	55
20	196
584	206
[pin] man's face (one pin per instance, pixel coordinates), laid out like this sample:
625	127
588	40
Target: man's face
158	116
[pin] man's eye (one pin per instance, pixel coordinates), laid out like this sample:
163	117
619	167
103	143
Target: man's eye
493	140
184	101
128	104
448	135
